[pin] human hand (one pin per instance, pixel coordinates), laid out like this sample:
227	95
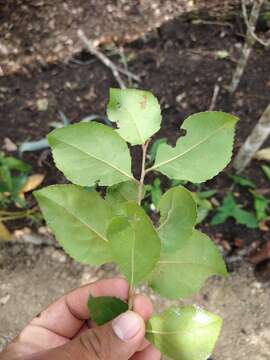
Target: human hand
63	332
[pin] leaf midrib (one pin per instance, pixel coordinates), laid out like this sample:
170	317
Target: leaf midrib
78	219
188	150
96	158
134	121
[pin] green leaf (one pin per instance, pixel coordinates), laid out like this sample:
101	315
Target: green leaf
175	182
16	164
88	153
154	147
79	220
266	170
136	113
155	192
245	218
242	181
134	243
203	152
206	194
18	182
6	178
178	218
121	193
105	308
230	208
181	274
186	333
261	204
203	208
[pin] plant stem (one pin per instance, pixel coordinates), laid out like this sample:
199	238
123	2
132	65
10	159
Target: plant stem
5	216
139	200
143	172
131	297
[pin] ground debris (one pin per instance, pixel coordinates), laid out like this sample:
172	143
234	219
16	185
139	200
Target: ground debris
46	31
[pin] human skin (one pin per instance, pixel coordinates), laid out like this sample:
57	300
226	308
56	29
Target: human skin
63	330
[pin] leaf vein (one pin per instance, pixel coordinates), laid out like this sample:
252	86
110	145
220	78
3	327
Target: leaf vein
98	159
188	150
81	221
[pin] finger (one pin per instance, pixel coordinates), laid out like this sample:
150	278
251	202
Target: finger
150	353
119	339
66	316
143	306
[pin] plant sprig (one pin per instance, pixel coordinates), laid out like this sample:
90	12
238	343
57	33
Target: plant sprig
174	258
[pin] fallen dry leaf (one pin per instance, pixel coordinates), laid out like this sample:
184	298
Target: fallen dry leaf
261	255
263	154
9	145
239	243
42	104
4	232
32	183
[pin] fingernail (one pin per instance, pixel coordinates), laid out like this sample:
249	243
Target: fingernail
126	326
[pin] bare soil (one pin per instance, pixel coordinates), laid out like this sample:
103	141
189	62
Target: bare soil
33	276
45	31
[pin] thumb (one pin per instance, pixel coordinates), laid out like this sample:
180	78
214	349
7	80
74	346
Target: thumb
119	339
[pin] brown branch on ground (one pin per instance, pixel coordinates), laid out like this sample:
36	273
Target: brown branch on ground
250	28
214	97
116	70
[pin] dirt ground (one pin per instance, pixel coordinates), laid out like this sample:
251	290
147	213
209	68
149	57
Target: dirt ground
33	276
42	31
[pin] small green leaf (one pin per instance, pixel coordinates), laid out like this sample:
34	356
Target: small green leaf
134	243
121	193
88	153
178	218
79	220
6	178
154	191
242	181
18	182
175	182
203	208
266	170
203	152
181	274
206	194
245	218
154	147
261	205
230	208
136	113
186	333
105	308
16	164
